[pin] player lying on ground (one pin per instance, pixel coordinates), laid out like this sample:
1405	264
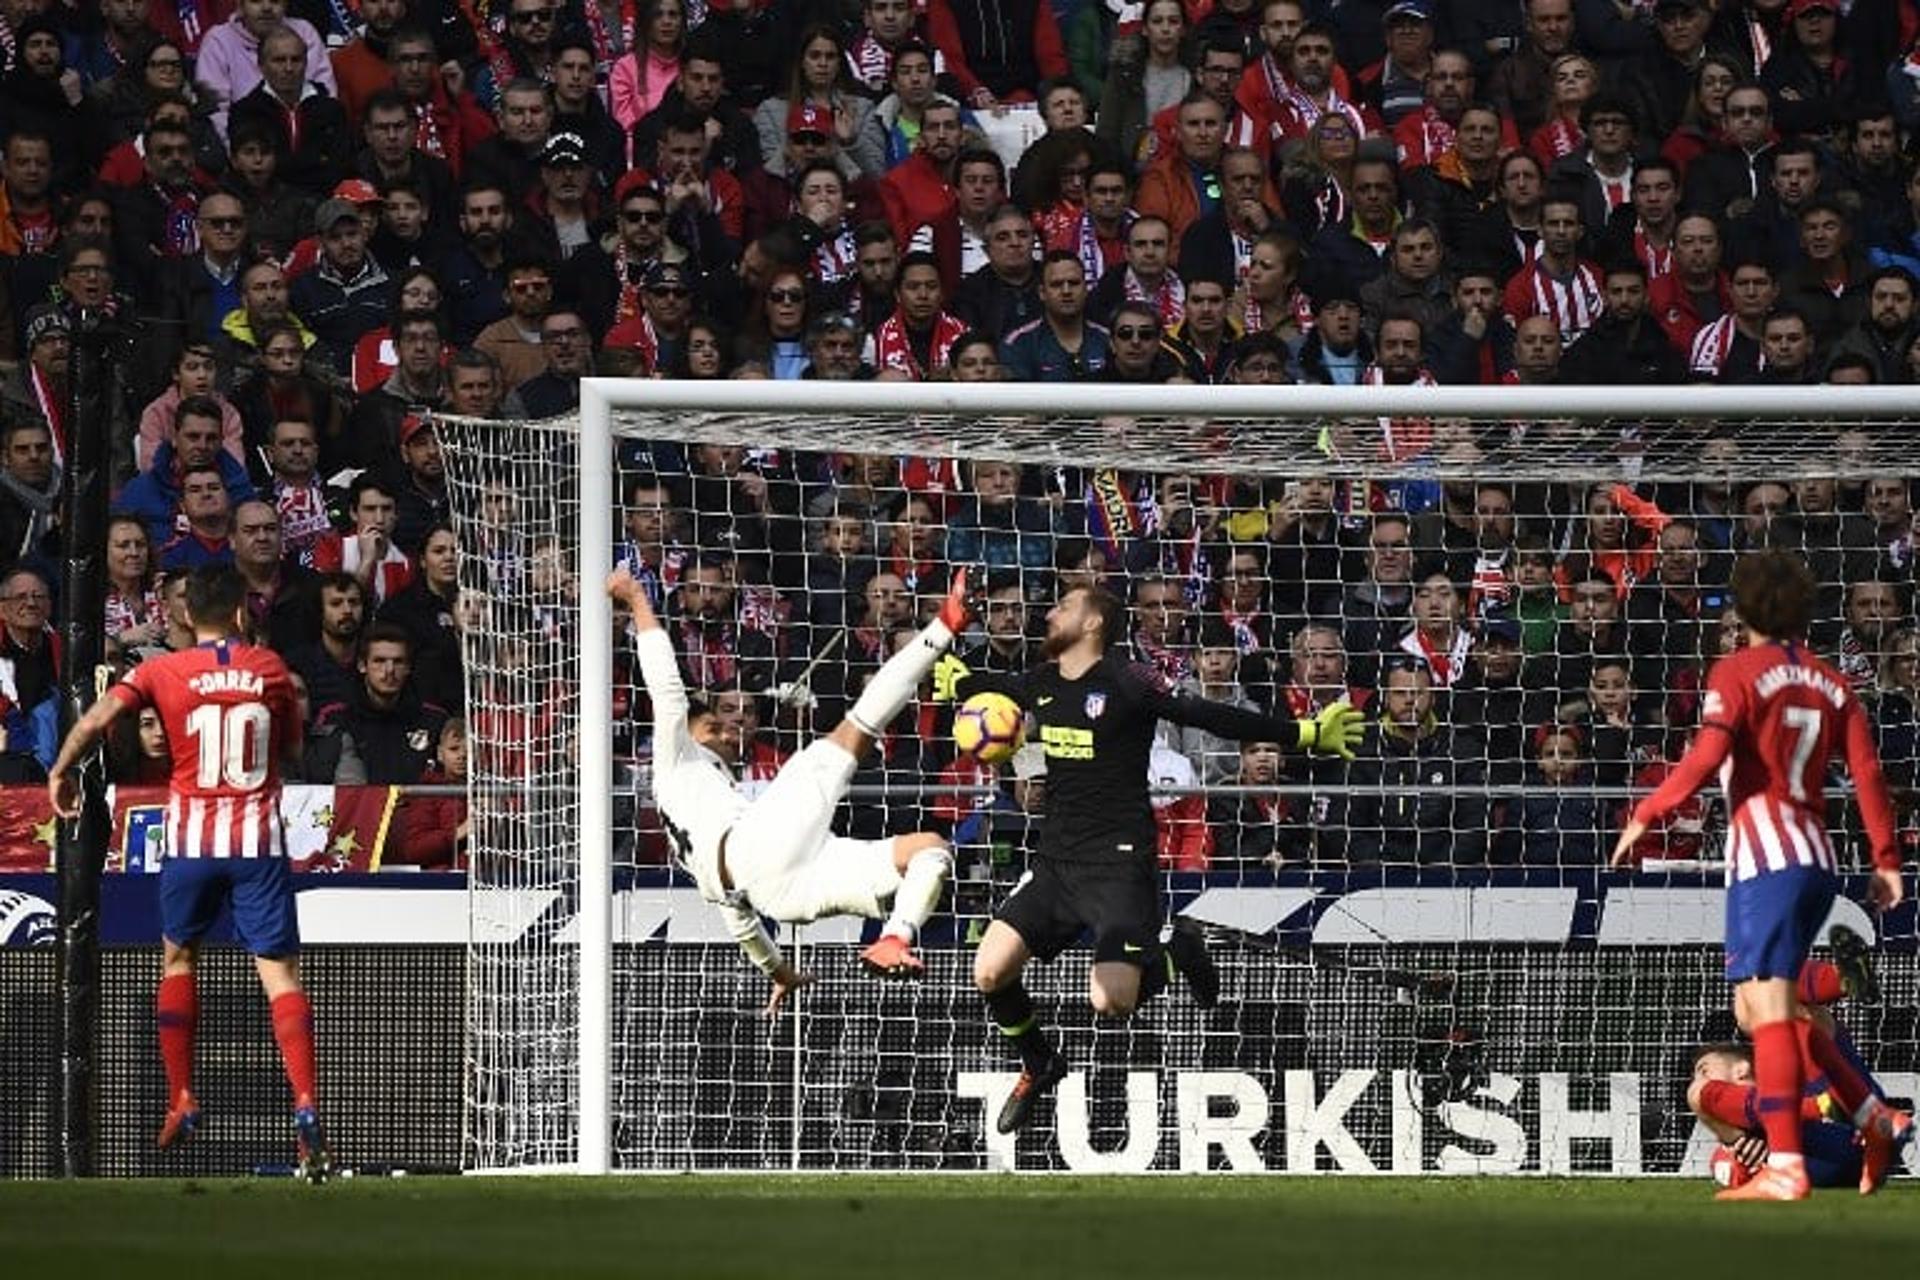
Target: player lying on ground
231	719
1774	716
775	855
1095	870
1723	1096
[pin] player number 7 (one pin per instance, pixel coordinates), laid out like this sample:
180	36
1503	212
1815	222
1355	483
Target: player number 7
1805	723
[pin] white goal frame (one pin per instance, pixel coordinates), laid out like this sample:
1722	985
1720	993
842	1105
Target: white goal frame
601	398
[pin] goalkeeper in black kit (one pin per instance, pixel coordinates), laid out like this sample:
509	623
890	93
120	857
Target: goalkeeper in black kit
1095	871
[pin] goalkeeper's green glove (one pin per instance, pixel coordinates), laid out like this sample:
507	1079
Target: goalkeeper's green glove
947	675
1335	730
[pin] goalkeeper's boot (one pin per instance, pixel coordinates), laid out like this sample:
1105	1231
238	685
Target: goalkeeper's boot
183	1118
892	956
1771	1183
1855	963
316	1165
1881	1139
963	600
1027	1092
1188	947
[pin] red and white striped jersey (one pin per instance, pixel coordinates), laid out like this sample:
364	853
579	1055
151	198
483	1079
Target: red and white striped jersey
1773	718
230	715
1573	302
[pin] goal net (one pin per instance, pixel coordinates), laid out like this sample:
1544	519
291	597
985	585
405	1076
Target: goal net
1426	966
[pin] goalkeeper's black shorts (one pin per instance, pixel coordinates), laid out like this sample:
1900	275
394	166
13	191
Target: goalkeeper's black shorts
1116	903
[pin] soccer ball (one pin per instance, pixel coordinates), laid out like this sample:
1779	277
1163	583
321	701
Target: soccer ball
989	727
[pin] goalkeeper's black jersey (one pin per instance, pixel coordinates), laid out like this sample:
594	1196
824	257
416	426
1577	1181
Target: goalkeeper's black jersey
1097	732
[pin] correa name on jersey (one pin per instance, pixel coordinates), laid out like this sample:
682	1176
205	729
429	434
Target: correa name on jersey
227	680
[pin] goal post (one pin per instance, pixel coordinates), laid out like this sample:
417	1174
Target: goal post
546	1087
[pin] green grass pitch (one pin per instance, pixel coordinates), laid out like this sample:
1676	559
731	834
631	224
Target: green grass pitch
917	1228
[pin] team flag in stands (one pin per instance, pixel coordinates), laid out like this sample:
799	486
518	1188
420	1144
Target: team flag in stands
27	829
327	828
1113	519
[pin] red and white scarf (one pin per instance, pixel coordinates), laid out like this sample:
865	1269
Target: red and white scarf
1253	316
837	257
1558	138
1169	301
1658	261
869	61
53	407
893	347
1447	662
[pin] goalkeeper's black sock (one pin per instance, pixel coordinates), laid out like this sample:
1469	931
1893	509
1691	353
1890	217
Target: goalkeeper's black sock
1156	972
1011	1009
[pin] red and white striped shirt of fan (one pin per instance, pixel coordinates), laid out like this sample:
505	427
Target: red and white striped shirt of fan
1773	718
230	716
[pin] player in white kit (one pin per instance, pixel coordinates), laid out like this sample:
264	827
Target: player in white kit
775	855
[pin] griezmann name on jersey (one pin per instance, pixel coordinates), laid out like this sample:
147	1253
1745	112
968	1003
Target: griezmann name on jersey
230	715
1788	714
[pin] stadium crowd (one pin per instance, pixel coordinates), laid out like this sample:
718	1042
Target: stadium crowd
319	225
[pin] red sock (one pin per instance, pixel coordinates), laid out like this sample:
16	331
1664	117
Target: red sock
1729	1103
1776	1069
1820	1056
176	1010
293	1031
1820	983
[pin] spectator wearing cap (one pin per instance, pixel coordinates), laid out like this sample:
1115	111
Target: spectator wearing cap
36	389
228	62
315	143
1491	696
41	95
822	103
1335	350
390	129
366	201
606	278
514	339
510	159
568	346
346	294
655	337
417	385
1809	79
577	109
1062	345
918	336
1626	346
564	204
418	485
833	349
1396	86
1658	81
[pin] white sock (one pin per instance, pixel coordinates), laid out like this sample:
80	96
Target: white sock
894	683
1790	1161
919	891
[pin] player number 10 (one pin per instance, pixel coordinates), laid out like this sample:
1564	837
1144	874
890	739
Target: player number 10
232	744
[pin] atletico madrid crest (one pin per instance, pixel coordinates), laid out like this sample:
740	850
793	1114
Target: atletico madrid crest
1095	704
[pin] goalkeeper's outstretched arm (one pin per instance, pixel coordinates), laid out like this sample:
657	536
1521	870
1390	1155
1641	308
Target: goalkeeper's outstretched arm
1335	730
